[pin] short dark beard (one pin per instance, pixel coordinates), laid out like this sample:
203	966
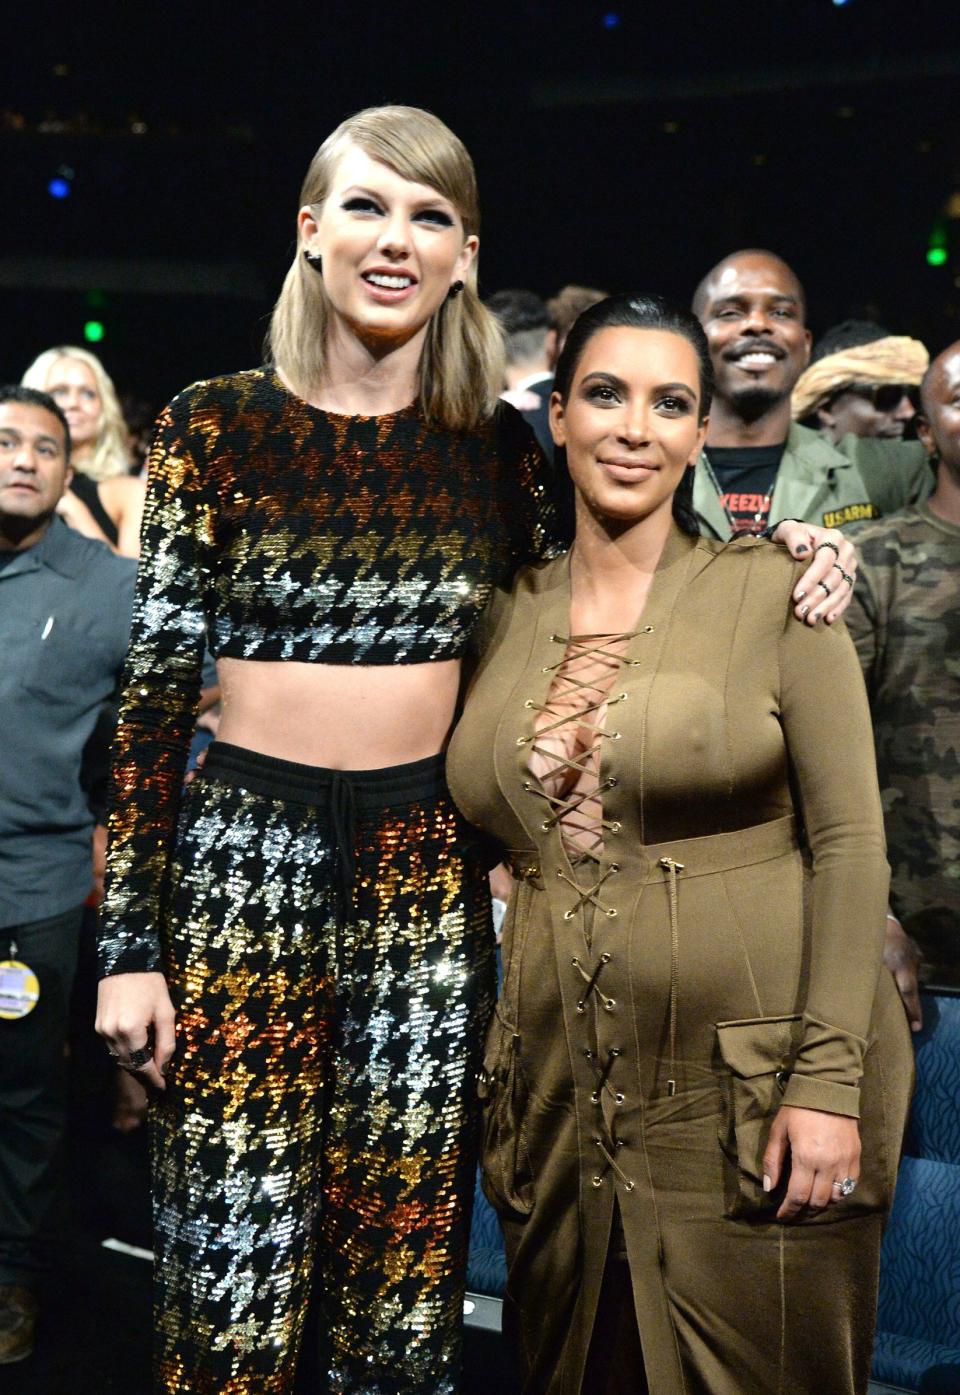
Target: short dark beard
752	403
13	528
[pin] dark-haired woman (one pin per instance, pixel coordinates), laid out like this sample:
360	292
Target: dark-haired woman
697	1075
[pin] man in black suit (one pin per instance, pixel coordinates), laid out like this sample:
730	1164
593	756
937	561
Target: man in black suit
530	343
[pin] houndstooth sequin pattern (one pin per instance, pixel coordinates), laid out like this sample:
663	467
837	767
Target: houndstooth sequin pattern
320	1108
279	531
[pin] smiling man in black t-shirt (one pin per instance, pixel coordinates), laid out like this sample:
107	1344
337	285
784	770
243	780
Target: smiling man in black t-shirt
759	466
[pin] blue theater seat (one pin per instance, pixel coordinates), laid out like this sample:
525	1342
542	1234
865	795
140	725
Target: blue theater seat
918	1322
486	1265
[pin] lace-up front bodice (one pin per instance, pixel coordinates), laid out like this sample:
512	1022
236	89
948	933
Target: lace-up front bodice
570	729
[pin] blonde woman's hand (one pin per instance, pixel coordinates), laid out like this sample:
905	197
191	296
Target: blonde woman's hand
823	1149
134	1011
833	562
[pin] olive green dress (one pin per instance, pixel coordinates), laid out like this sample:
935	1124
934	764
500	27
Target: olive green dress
720	954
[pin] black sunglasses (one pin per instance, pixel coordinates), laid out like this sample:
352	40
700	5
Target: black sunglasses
885	397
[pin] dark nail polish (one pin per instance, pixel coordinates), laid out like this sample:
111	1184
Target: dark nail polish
802	549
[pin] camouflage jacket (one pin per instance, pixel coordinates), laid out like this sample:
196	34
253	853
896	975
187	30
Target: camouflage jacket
905	621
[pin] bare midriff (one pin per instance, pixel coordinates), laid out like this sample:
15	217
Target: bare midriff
341	717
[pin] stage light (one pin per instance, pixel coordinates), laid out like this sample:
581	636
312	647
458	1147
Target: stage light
611	20
93	331
59	188
938	243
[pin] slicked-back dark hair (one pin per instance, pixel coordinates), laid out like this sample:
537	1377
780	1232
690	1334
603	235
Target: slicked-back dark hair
642	312
33	397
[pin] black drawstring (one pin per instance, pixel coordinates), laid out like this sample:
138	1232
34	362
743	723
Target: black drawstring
343	813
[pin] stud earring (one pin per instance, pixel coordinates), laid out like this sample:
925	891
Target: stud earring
454	290
313	260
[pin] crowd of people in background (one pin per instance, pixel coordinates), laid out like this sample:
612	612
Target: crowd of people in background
857	429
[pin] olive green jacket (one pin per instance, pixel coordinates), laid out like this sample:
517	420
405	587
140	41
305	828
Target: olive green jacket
829	485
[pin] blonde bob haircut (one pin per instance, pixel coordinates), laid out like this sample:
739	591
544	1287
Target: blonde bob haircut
111	454
462	365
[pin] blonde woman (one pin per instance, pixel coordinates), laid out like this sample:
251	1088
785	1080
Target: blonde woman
314	910
104	500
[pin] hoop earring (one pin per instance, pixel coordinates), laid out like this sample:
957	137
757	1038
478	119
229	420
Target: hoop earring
314	260
454	290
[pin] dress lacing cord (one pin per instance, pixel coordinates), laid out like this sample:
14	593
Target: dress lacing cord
603	1075
572	788
672	867
587	896
608	649
611	1162
591	981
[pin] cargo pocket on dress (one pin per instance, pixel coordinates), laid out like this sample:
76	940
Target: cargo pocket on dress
505	1166
756	1056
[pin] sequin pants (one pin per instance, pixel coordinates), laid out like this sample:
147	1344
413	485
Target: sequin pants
330	955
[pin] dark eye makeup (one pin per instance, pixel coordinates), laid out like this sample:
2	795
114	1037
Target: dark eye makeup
359	203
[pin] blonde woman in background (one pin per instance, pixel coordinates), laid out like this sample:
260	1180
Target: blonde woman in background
104	500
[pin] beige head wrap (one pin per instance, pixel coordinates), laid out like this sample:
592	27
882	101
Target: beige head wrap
896	359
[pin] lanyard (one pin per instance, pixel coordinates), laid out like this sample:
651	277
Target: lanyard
19	987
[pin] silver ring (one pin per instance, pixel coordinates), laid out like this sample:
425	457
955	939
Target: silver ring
847	578
825	587
833	547
139	1058
846	1186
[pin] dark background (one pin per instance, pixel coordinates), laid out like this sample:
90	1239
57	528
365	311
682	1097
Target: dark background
628	155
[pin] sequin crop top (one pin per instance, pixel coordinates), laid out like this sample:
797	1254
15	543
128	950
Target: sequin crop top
274	530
